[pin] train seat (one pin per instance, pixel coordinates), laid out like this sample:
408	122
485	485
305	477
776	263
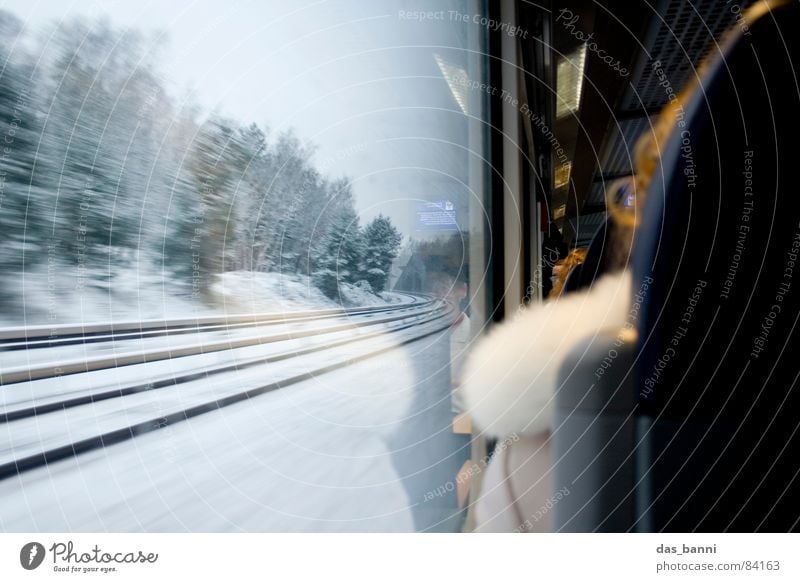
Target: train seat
691	423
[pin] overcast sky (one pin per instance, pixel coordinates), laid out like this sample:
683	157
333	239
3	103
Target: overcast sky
356	78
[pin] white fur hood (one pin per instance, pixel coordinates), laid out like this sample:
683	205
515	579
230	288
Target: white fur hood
511	374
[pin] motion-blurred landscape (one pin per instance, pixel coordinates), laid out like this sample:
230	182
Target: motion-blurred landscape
119	200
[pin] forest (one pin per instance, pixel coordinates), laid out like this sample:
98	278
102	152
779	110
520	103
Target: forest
102	170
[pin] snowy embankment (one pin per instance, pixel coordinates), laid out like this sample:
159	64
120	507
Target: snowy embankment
39	298
246	292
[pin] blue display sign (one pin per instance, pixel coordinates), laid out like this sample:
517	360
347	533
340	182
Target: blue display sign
439	215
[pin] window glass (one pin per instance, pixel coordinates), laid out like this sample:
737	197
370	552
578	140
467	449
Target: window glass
247	239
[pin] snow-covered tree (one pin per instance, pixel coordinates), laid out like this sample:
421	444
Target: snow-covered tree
340	251
381	245
217	164
177	208
22	229
98	141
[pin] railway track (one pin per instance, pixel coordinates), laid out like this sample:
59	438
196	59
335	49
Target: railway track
42	336
132	356
45	423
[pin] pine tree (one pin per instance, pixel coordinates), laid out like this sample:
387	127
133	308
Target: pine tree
339	254
382	243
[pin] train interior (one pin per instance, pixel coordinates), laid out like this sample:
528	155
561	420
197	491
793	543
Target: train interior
684	418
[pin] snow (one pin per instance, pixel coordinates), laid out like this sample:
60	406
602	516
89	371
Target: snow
28	436
356	449
249	292
117	377
63	294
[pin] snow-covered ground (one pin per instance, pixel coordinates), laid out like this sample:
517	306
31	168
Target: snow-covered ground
66	295
356	449
247	292
216	348
34	434
359	448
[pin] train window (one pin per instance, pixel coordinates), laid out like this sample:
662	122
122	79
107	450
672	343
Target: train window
243	252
